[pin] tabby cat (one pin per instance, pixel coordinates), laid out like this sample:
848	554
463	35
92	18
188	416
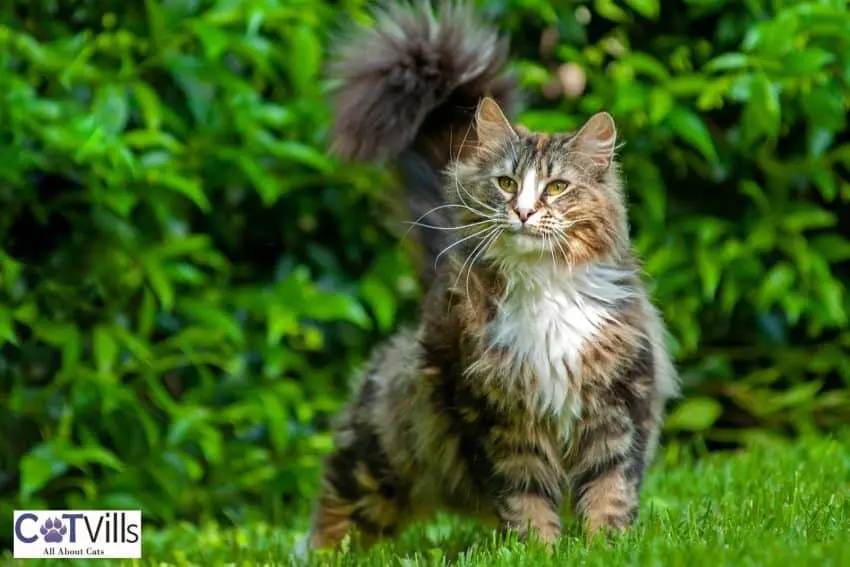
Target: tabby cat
538	371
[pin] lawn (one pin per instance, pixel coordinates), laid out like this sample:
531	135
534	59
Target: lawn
785	505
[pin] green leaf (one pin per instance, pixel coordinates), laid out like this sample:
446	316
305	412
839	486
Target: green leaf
694	414
198	87
646	8
305	54
728	62
756	195
762	112
777	282
826	184
191	188
105	348
82	456
38	467
304	154
330	307
277	421
281	321
690	128
156	22
831	247
71	352
149	103
808	217
825	107
709	271
110	109
833	295
660	104
807	61
159	282
645	63
54	332
214	40
266	186
382	301
7	327
137	347
609	10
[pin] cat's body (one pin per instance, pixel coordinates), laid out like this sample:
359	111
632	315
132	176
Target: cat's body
538	370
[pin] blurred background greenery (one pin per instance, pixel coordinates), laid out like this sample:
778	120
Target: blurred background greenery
188	281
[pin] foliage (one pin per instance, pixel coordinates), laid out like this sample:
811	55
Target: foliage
766	508
188	280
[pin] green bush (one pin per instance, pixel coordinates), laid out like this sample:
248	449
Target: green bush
188	280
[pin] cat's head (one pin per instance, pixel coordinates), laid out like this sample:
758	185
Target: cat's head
530	197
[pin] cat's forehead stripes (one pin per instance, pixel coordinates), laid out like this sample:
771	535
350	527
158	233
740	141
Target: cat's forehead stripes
543	161
535	159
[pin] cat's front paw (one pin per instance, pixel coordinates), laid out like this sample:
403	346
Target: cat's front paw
605	530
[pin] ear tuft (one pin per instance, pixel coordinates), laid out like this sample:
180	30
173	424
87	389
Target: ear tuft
597	139
491	124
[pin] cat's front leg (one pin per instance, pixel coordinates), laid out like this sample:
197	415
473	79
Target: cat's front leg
524	512
606	497
526	484
615	442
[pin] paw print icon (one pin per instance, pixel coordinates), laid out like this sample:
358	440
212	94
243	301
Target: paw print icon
53	530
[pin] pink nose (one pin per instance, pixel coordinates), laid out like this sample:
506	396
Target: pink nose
523	213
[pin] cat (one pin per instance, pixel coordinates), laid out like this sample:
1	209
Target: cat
538	372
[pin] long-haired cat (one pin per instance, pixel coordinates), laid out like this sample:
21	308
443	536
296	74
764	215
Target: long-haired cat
539	369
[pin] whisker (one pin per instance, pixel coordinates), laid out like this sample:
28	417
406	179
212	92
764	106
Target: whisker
551	238
463	142
451	205
459	186
563	237
464	239
489	242
470	255
443	206
414	223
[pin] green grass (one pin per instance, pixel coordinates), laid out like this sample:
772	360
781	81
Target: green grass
784	506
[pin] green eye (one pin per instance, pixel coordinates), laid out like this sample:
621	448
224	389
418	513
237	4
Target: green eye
507	184
556	188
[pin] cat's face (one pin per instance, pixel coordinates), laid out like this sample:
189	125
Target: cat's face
540	197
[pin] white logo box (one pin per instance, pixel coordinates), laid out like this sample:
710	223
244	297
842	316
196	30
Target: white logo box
77	534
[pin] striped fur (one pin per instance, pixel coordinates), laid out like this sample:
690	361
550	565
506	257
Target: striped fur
538	374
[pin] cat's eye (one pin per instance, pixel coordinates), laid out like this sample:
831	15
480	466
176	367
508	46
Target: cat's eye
507	184
556	188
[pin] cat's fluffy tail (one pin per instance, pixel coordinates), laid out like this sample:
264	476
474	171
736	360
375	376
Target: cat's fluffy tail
407	89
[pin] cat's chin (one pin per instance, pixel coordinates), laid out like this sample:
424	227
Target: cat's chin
522	242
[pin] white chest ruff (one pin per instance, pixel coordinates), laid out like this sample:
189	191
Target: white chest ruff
545	321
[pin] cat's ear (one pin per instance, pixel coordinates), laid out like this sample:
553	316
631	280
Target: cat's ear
491	125
597	139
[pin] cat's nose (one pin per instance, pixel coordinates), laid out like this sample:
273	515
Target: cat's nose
524	212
